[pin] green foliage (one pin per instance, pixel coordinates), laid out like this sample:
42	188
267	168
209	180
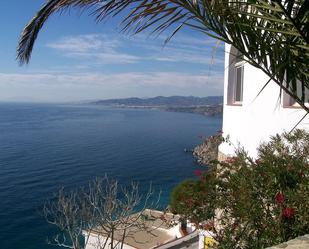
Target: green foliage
180	195
265	201
191	198
260	202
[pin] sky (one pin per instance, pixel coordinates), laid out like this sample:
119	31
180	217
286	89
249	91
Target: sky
77	59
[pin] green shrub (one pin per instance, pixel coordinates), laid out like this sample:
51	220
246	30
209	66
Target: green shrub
265	201
179	196
260	202
191	198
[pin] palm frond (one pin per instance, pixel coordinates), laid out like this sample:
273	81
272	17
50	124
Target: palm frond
32	29
273	35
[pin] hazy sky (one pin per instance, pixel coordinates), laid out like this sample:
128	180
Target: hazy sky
76	59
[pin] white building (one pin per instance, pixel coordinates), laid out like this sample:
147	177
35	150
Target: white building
158	231
250	119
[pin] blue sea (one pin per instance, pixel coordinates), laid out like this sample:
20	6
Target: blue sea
44	147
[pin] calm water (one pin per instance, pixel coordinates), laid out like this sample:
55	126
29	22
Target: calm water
43	147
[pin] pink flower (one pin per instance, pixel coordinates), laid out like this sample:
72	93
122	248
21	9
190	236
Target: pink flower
220	132
258	161
290	167
231	159
198	172
301	174
279	198
288	212
190	203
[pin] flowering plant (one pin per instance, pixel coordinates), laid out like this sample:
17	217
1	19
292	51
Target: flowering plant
264	201
257	203
191	198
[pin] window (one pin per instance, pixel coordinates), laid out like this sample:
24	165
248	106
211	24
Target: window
238	88
235	78
288	101
299	93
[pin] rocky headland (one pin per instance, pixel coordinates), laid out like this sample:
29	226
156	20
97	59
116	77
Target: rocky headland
207	151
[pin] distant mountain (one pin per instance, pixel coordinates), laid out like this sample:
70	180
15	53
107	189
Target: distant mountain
160	101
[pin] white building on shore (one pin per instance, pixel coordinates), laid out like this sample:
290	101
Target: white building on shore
249	119
159	230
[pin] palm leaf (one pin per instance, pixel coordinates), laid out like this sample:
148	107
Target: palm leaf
273	35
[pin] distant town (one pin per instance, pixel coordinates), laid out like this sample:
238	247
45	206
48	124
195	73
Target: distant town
208	106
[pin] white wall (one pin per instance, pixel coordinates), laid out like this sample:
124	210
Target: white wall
96	241
175	231
203	234
257	118
180	242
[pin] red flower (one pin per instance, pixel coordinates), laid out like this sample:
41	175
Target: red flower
258	161
231	159
198	172
279	198
290	167
301	174
288	212
190	203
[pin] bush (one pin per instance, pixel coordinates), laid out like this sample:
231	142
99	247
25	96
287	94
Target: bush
265	201
260	202
191	198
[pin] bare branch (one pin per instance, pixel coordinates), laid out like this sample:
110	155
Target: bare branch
105	210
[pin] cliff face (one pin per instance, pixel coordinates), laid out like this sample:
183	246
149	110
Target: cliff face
207	152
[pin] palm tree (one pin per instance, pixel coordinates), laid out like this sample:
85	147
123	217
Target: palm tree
273	35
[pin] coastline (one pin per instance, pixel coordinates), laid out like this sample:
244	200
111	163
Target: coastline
205	110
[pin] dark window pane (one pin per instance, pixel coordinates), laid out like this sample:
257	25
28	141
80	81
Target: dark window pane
239	84
299	93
